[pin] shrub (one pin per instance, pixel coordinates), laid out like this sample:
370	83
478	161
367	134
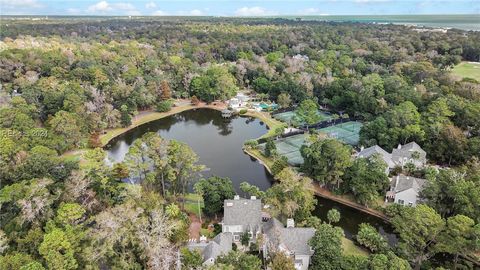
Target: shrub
243	111
279	164
245	238
207	233
217	228
191	259
270	148
251	144
164	106
195	101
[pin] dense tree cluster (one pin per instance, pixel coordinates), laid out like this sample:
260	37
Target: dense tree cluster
90	75
64	82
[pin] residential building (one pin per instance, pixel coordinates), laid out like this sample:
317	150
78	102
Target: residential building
370	151
409	153
242	215
405	190
291	240
239	101
400	156
210	250
246	216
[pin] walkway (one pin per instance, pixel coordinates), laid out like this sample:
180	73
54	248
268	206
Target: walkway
329	195
195	227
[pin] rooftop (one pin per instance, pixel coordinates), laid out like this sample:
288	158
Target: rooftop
247	213
401	183
370	151
293	239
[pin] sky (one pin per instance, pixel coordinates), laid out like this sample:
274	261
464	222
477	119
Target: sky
237	7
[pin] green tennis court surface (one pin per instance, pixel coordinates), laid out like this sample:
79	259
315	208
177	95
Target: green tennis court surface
347	132
289	117
290	148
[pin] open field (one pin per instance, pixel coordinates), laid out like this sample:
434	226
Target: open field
468	70
192	202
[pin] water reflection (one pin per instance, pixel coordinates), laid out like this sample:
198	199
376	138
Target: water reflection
217	141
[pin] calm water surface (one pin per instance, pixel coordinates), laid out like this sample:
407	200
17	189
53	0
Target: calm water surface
218	143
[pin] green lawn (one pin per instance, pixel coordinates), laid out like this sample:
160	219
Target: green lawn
191	203
468	70
349	248
272	123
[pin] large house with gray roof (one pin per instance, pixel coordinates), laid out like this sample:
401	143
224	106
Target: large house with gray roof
242	215
220	245
377	150
290	240
246	216
400	156
405	190
409	153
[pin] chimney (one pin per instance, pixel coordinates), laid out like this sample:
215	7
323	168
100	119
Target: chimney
253	198
236	197
203	239
290	223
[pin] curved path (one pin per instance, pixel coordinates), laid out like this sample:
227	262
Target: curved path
322	192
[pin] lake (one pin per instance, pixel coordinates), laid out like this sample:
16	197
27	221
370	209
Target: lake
218	143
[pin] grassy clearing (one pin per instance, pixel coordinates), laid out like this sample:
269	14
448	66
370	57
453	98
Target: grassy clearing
349	248
191	203
268	162
265	117
468	70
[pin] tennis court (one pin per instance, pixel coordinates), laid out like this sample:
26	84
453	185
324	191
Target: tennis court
288	117
347	132
290	148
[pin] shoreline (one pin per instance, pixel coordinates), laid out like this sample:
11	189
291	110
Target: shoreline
148	116
151	115
319	191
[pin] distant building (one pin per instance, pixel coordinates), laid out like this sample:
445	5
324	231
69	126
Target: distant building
405	190
372	150
300	57
246	216
409	153
239	101
400	156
